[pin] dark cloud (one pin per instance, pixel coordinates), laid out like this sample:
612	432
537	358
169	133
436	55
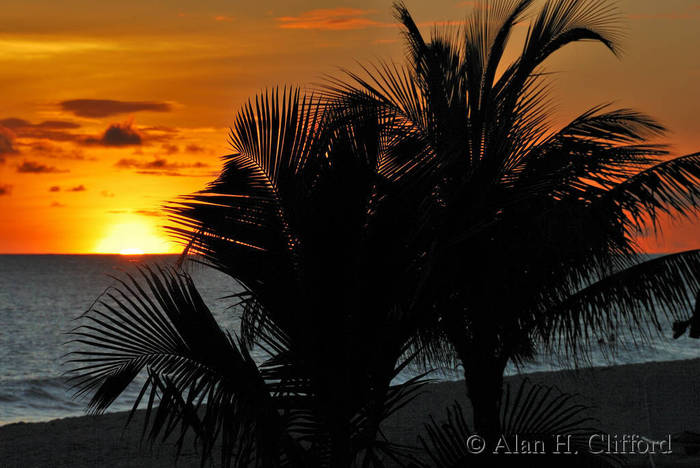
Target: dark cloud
20	124
192	148
117	211
107	194
57	130
109	107
158	164
46	149
54	188
32	167
117	134
77	188
57	205
5	189
6	142
161	173
169	149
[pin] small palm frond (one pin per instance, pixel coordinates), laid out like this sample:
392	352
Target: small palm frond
592	154
533	413
559	23
203	380
632	301
249	210
671	187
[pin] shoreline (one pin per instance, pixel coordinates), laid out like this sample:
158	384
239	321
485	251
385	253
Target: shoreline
654	400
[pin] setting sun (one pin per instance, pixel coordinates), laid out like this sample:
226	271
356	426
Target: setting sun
134	237
131	252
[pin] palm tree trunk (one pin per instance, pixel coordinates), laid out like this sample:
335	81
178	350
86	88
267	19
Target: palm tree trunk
484	381
483	375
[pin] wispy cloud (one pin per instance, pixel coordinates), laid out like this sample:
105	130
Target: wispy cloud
56	130
148	213
31	167
107	107
55	188
224	18
138	212
158	166
329	19
24	49
77	188
5	190
107	194
57	205
46	149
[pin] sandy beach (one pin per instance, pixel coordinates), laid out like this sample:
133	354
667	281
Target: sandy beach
651	400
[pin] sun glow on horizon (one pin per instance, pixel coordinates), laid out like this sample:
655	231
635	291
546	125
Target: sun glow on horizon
131	251
133	236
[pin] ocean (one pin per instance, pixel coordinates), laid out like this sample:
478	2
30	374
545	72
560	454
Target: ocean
41	295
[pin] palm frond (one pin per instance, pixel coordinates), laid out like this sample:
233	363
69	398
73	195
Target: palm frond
166	330
671	187
532	413
631	303
248	210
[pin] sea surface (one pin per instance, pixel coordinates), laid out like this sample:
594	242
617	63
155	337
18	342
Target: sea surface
41	296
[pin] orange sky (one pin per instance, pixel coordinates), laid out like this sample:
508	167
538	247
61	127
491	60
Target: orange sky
111	108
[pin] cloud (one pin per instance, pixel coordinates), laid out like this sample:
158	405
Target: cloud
6	142
139	212
157	163
161	129
192	148
57	205
117	134
329	19
158	166
148	212
54	188
5	190
169	149
20	124
108	107
107	194
31	167
45	149
224	18
57	130
77	188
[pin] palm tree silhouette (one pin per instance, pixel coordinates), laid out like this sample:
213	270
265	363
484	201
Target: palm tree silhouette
423	210
307	217
530	231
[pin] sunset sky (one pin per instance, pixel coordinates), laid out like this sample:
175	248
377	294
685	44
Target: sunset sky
109	109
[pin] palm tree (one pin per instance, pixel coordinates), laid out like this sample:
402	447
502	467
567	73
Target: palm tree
308	217
530	231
